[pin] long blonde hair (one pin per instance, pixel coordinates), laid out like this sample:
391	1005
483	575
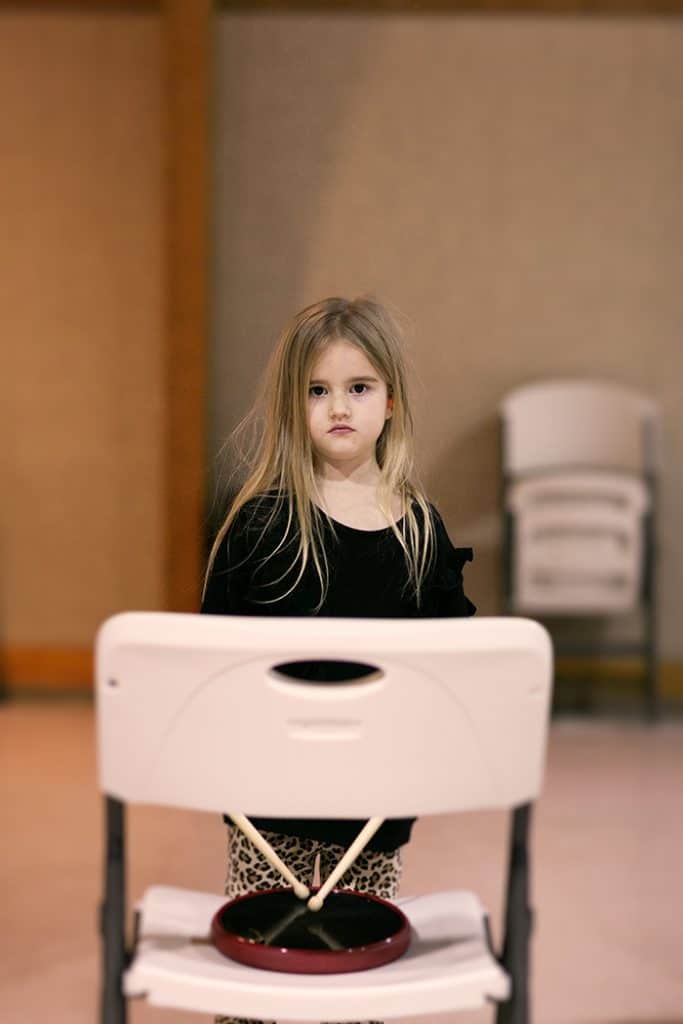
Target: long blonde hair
280	462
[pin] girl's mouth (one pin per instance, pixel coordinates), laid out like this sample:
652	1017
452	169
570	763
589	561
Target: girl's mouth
340	430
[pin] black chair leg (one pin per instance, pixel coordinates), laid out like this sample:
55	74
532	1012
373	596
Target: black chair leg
650	610
651	682
652	705
518	923
507	567
113	1007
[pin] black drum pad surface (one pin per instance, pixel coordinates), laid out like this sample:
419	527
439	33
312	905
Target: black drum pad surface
274	929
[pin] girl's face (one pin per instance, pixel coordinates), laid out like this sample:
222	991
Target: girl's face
347	406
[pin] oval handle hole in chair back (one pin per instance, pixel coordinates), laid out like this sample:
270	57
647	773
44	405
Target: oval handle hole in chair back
325	670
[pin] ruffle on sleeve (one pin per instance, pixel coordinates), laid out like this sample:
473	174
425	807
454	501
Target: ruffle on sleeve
449	570
451	599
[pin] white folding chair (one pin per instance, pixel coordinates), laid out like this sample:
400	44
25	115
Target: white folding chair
453	717
580	461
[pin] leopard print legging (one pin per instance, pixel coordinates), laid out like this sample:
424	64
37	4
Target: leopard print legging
374	871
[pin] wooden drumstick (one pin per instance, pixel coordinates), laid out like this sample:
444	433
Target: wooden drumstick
262	844
354	851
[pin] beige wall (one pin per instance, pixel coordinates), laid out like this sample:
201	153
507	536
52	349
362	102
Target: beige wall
80	293
512	185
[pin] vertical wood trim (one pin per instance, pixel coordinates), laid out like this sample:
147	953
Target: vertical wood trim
187	25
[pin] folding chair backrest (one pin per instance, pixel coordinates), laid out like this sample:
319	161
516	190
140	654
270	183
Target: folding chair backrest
193	712
558	424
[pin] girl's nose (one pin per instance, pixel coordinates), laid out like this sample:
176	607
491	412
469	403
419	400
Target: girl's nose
339	405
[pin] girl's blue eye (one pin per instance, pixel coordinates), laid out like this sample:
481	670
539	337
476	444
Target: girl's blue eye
363	388
316	390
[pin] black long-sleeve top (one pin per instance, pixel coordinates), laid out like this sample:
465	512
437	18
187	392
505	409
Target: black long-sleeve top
367	578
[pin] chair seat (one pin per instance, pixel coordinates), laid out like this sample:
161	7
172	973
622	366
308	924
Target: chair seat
578	543
448	966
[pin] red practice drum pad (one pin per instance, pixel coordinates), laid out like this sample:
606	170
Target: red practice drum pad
275	930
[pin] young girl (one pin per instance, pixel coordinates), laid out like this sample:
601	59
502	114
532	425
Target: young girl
331	521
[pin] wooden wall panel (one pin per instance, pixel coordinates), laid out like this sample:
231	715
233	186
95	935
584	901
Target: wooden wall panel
81	463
